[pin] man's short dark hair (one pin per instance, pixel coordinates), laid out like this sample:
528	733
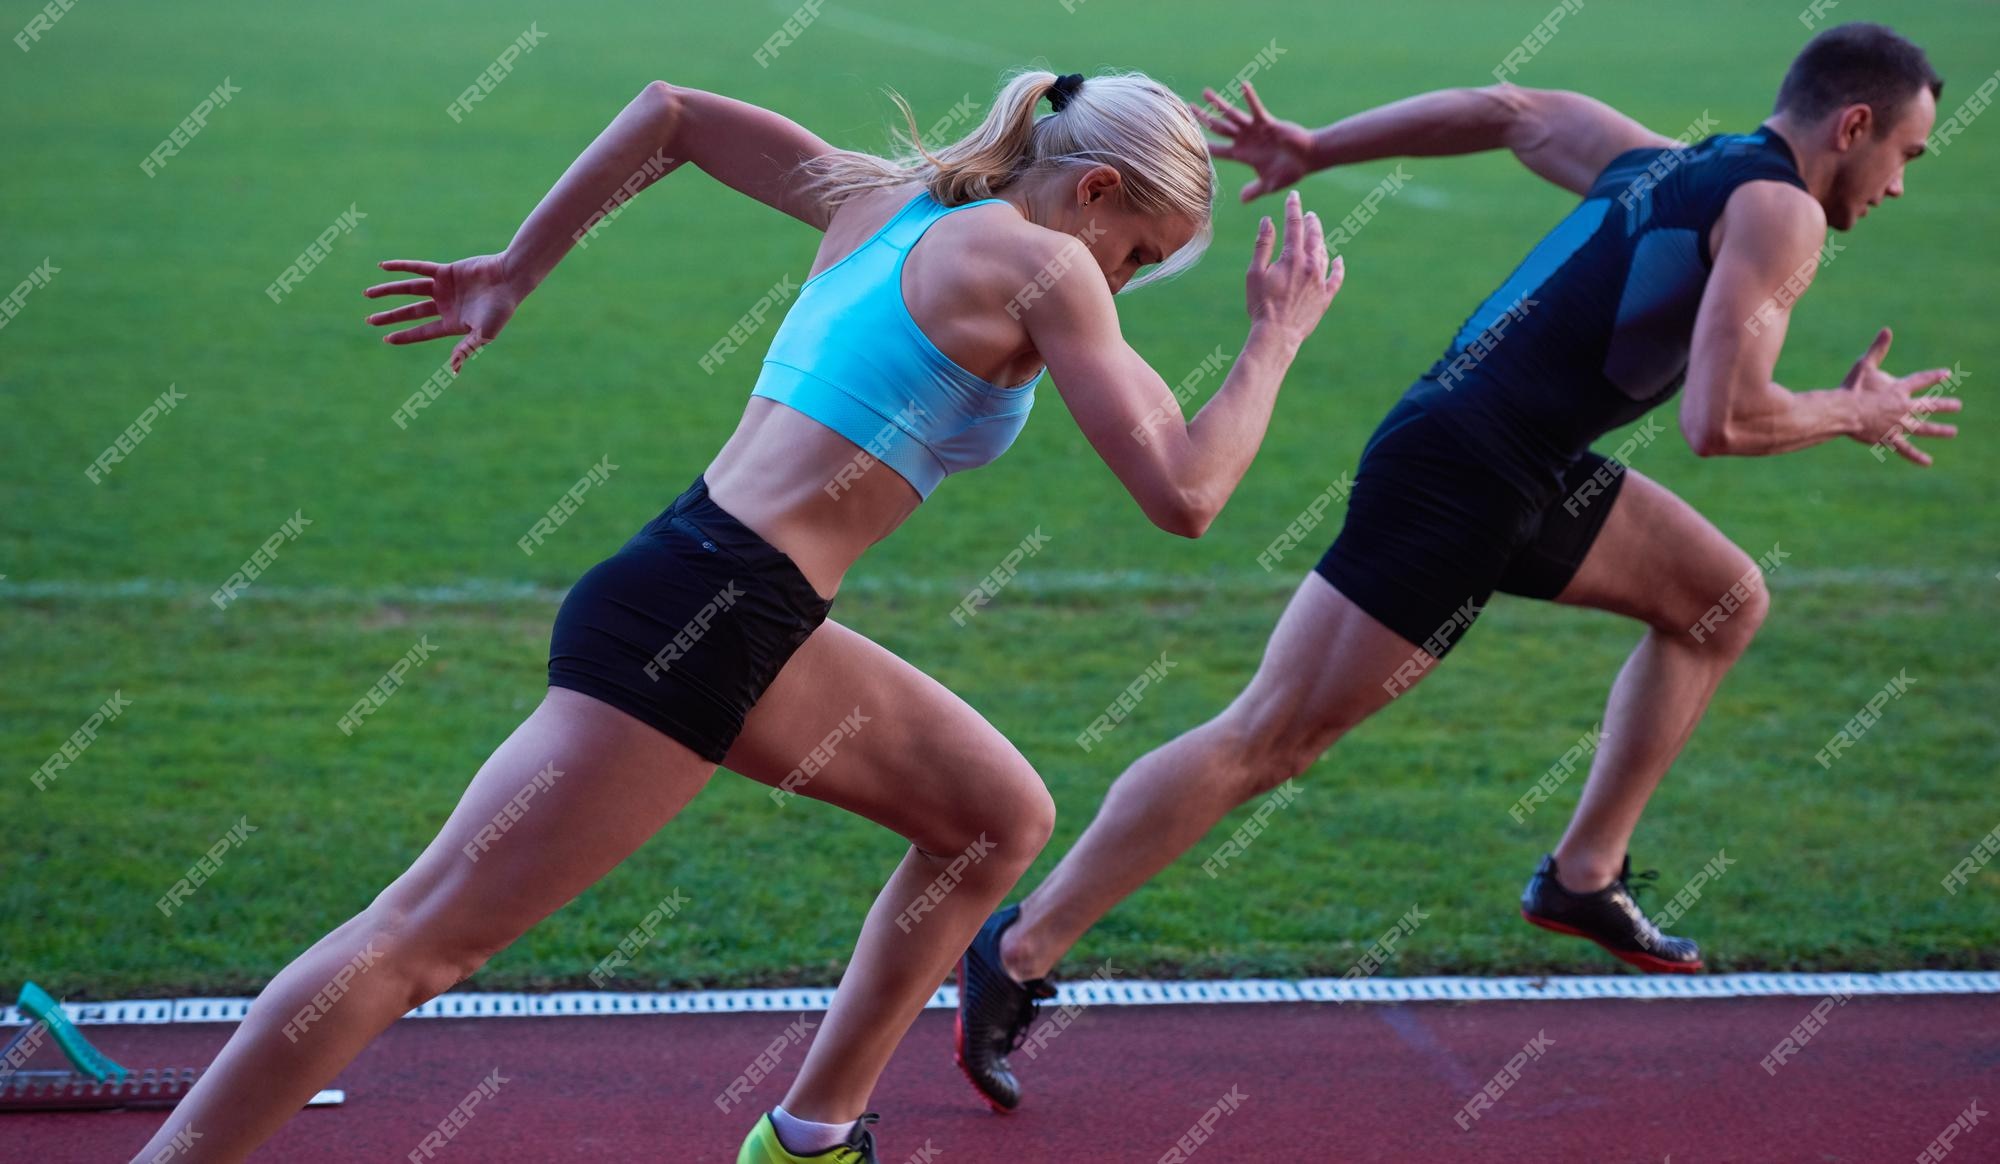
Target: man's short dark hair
1857	64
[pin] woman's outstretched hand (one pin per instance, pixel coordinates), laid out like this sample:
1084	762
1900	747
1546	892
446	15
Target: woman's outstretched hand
472	297
1294	291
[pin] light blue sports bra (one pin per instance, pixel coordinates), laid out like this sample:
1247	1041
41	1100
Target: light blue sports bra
850	356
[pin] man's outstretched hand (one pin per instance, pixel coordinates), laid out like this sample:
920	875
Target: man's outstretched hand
1890	408
1280	151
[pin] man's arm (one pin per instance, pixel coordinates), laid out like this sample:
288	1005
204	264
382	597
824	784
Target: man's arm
1565	137
1766	257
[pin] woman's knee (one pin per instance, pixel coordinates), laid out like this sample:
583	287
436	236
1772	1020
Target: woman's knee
429	939
1007	820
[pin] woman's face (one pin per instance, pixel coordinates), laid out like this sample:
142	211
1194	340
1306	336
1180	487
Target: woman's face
1122	239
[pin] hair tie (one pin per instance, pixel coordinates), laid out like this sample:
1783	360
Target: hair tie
1064	91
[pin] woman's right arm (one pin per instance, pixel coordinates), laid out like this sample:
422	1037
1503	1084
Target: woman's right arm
1181	472
751	150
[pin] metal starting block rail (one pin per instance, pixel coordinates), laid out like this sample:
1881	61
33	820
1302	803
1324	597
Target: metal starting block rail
92	1082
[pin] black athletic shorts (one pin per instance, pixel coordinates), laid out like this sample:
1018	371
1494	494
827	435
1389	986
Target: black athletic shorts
687	625
1432	532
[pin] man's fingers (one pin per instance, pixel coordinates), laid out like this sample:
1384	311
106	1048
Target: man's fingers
406	312
1211	121
1254	188
1910	452
414	266
1918	381
1260	253
1924	405
1256	107
1223	149
1229	113
1933	429
422	332
1873	356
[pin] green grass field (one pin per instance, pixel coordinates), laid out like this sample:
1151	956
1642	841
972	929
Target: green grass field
161	282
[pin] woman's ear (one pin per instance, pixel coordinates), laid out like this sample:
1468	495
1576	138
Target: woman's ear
1100	181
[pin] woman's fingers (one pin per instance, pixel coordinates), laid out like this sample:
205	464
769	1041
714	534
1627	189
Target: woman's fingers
414	266
1295	225
463	352
422	332
407	312
402	287
1260	253
1316	245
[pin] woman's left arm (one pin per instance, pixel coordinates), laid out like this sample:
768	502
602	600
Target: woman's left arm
751	150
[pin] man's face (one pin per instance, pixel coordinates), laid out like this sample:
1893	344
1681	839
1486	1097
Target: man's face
1871	168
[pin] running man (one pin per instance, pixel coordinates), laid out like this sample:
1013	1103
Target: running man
945	284
1680	265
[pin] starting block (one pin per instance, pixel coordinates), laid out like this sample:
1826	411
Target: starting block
92	1081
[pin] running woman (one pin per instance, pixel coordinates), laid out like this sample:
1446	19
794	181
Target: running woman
946	282
1678	265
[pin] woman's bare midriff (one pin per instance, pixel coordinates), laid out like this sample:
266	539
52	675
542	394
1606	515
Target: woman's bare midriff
803	487
807	490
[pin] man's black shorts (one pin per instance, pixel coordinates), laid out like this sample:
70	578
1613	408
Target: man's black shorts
1432	532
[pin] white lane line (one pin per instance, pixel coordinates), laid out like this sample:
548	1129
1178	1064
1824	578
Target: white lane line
1040	583
1898	983
895	32
1360	181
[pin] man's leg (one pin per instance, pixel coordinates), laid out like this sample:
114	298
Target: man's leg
1324	671
1658	561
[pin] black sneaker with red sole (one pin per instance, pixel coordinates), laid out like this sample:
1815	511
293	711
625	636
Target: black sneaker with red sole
994	1013
1611	917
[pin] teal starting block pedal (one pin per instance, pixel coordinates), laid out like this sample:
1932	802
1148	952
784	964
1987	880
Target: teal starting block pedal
92	1082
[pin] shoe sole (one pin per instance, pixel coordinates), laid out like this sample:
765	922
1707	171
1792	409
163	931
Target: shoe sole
1646	962
958	1047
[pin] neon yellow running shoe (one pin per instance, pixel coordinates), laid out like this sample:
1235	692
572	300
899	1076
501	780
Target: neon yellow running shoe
762	1146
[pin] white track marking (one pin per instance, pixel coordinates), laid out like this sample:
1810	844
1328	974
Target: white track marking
1415	193
1055	584
895	32
1898	983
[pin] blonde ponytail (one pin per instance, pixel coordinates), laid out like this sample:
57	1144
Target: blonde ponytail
1125	120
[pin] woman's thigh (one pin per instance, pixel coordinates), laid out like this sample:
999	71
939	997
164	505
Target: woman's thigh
850	723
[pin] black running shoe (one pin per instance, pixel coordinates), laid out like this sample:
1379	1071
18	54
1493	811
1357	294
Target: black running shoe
994	1013
1610	917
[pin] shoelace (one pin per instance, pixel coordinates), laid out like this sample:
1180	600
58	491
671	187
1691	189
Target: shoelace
1646	880
1649	877
860	1147
1031	1006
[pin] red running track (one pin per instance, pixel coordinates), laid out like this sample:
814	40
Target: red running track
1618	1081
